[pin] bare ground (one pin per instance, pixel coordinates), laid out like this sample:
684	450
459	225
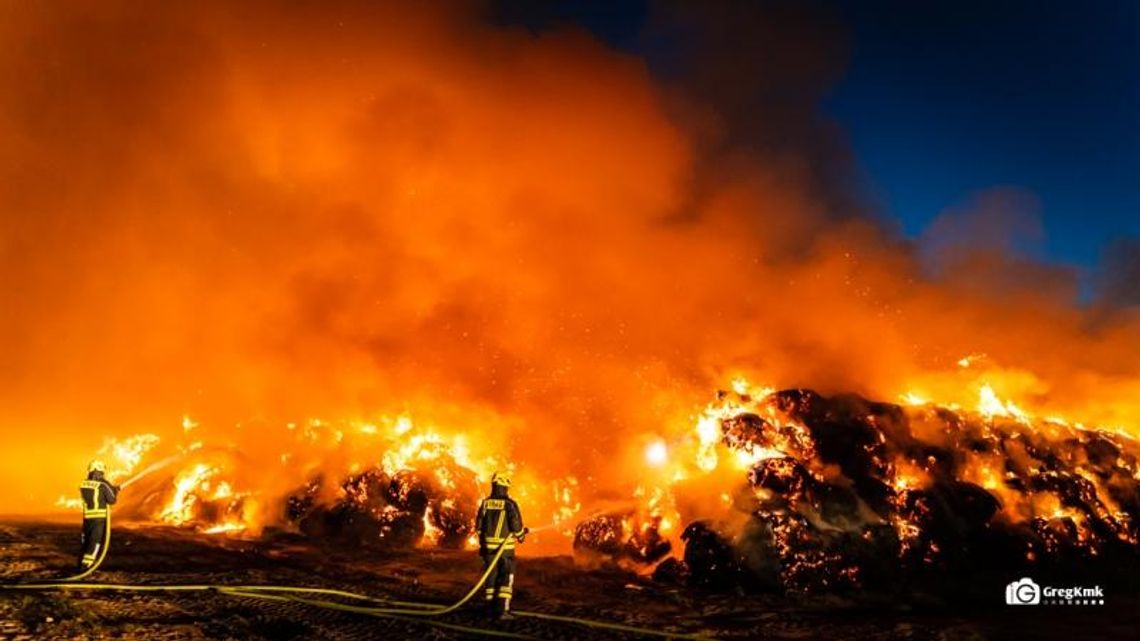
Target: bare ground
554	585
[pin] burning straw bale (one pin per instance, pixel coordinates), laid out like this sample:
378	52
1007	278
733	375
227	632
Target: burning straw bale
401	508
855	495
616	537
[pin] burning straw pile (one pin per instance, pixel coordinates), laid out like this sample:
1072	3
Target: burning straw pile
815	493
402	508
846	493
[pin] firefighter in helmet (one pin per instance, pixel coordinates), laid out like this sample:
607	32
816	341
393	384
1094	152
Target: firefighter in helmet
499	524
97	495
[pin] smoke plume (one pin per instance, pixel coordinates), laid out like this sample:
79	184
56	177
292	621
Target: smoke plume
261	213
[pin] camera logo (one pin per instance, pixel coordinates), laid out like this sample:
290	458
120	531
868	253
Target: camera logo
1023	592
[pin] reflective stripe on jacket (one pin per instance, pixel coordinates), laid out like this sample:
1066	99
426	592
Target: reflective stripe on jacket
498	517
96	495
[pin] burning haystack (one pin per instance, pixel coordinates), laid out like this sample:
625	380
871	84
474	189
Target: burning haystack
846	492
402	508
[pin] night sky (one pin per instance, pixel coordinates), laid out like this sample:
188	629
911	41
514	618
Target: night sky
942	100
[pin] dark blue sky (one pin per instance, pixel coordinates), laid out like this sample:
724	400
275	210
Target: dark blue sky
944	99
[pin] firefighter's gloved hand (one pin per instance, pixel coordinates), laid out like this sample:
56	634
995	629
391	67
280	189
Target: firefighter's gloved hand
522	537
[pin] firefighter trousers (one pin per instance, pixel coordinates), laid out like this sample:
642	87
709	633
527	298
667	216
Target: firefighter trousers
501	582
94	538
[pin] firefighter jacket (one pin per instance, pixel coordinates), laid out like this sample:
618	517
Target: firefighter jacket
97	494
498	517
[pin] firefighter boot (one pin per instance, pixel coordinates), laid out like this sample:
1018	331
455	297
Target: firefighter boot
504	608
489	610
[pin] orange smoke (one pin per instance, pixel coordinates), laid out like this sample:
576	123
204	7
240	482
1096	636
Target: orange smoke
256	216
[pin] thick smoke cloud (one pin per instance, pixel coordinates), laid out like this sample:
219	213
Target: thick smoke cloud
268	212
751	77
1120	274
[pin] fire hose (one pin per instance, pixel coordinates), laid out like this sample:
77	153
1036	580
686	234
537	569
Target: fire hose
401	610
99	559
107	529
154	467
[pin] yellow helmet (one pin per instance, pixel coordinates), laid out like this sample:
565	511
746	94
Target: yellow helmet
501	478
96	466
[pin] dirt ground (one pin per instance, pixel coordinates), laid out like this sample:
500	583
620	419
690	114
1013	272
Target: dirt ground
553	585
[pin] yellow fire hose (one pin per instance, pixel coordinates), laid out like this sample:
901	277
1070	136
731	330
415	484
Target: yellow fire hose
403	610
102	553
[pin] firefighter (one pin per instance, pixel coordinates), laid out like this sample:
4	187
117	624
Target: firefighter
499	523
97	495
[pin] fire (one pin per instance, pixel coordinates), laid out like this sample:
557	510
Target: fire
188	423
914	399
380	274
432	534
708	434
751	456
990	405
776	441
225	528
568	505
222	491
740	385
747	457
186	485
216	493
657	453
122	457
68	503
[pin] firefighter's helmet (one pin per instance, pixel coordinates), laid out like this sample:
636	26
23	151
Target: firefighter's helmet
501	478
96	466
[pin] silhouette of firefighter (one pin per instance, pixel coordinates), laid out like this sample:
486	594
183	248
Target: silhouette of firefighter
499	523
98	495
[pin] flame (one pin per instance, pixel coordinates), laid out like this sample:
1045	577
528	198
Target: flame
657	453
187	484
432	534
208	493
123	456
210	496
783	454
507	295
911	398
68	503
225	528
990	405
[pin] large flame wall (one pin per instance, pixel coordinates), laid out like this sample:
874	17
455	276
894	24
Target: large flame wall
262	214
